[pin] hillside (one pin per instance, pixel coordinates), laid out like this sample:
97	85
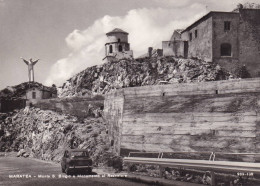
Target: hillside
46	134
140	72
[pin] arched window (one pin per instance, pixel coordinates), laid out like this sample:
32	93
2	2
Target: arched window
120	48
225	49
118	40
110	49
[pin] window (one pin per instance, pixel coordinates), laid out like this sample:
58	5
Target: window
79	154
196	33
120	48
190	36
226	25
110	49
34	95
225	49
118	40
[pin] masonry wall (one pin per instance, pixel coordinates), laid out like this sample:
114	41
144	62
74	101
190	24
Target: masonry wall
115	46
201	46
210	116
113	112
37	91
173	48
249	36
176	36
113	37
81	107
220	36
10	105
48	95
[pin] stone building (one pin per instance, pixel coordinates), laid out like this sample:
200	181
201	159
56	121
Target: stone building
17	97
117	46
175	47
39	93
231	39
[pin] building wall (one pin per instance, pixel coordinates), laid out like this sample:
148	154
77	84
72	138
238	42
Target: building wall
115	36
173	48
40	94
209	116
77	106
46	95
176	36
200	47
221	36
115	47
249	37
115	40
30	91
113	110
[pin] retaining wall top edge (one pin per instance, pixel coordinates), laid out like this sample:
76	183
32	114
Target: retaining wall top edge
213	85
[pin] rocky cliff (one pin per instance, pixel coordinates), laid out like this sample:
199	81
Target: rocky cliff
46	134
140	72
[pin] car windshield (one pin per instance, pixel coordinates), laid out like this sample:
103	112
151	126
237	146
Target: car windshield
79	154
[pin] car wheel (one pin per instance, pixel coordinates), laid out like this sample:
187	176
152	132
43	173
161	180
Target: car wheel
62	170
67	171
89	171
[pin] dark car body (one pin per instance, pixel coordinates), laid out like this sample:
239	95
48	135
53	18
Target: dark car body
76	160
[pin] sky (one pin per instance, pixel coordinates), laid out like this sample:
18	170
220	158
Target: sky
69	35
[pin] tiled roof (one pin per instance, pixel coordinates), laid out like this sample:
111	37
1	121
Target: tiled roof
117	30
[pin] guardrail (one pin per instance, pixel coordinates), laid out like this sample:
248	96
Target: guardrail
208	165
160	154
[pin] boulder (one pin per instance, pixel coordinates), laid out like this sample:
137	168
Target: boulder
21	152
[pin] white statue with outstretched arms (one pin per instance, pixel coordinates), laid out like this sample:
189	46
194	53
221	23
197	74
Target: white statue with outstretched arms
30	65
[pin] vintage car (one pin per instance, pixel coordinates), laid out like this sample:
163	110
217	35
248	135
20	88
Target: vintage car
76	160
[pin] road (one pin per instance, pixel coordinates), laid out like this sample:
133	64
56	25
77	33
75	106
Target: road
33	172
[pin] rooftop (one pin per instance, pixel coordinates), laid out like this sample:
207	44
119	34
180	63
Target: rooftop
179	30
116	30
205	17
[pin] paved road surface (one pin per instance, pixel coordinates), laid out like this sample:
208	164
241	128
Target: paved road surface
32	172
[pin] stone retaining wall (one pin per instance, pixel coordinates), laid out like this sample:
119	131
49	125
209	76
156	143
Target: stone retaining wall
209	116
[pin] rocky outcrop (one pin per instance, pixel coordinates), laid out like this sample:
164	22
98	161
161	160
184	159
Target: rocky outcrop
46	134
140	72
